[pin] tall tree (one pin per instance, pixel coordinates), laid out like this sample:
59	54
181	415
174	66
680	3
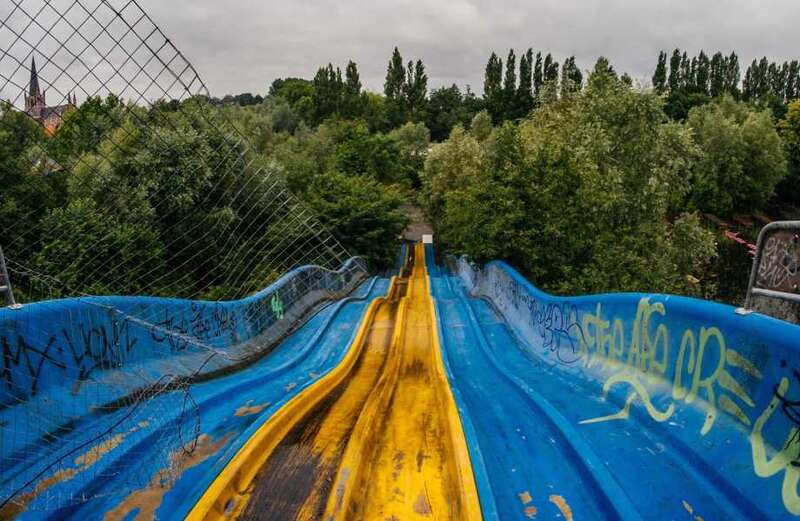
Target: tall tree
703	74
524	97
660	75
395	89
686	71
493	87
691	83
793	81
550	69
749	83
352	101
774	86
717	75
510	86
538	75
674	81
548	65
327	92
395	76
416	90
762	78
732	74
571	77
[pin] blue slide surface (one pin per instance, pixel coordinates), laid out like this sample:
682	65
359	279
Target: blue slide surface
619	406
224	410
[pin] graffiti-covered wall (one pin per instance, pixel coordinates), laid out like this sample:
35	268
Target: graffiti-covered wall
63	342
64	359
723	387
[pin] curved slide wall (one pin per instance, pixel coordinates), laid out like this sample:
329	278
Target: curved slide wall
60	342
135	442
623	406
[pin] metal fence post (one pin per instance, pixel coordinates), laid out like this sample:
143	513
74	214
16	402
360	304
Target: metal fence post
5	283
774	286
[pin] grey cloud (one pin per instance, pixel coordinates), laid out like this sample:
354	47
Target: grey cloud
242	45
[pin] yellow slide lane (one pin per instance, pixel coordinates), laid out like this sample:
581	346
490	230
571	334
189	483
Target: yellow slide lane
377	438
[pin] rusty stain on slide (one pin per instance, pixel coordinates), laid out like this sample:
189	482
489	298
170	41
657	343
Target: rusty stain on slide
377	438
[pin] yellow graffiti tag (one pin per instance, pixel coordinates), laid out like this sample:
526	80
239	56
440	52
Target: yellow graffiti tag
647	361
765	466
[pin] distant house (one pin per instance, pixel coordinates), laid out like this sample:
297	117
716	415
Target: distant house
36	107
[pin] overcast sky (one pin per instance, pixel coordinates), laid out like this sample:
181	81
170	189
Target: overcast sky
242	45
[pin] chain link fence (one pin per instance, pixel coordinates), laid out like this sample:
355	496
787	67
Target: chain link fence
121	177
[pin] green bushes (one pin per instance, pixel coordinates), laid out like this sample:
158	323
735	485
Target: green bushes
360	212
742	158
583	196
788	191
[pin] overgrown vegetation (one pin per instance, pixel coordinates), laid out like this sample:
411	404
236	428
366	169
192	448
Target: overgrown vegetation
585	182
583	196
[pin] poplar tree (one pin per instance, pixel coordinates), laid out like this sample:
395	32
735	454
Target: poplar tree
686	72
748	85
395	76
548	64
702	73
395	90
762	78
691	83
524	98
510	86
538	75
793	81
493	87
417	90
674	81
571	77
717	75
351	98
550	70
732	74
660	75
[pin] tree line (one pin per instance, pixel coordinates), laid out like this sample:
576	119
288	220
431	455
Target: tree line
495	172
691	81
515	85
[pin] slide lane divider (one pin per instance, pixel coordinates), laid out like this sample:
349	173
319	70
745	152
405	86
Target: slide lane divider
485	493
360	472
367	429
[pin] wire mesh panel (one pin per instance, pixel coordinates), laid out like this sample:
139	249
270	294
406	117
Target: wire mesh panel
120	176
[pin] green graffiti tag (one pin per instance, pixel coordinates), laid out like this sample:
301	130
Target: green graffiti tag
277	306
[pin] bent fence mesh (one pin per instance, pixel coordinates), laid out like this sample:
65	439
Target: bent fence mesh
120	176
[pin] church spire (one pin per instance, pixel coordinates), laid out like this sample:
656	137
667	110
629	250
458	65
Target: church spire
34	91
